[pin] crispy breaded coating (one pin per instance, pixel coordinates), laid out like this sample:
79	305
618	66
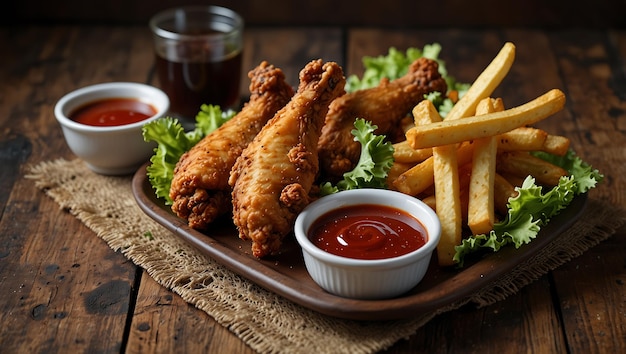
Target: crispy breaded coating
272	178
200	190
384	105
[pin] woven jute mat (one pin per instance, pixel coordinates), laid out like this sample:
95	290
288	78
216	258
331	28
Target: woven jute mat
265	321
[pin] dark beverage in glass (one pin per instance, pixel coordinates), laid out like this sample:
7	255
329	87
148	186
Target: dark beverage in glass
191	84
198	51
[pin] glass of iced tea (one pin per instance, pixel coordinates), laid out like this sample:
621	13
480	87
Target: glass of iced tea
198	52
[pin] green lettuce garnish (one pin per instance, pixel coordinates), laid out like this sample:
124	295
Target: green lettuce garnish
532	208
210	118
374	163
396	64
172	142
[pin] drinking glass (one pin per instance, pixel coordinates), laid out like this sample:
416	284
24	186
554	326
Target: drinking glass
198	51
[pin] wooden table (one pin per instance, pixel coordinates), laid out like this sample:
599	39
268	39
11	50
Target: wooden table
51	265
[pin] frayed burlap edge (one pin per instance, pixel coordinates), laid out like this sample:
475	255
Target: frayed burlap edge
263	320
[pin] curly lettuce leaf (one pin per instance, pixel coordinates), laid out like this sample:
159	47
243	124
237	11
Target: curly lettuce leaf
374	162
211	117
532	208
172	142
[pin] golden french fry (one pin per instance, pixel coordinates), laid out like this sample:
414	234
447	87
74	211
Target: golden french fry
419	177
480	210
521	164
485	84
447	191
532	139
416	179
475	127
447	201
479	153
464	152
465	175
495	104
405	154
420	115
555	144
503	190
396	170
522	139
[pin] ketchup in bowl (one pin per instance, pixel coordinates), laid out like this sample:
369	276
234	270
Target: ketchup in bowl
367	243
368	231
113	112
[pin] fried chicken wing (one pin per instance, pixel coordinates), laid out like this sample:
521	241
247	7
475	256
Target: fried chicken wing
200	190
384	105
272	178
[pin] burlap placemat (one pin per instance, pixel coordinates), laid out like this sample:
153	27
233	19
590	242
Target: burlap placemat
263	320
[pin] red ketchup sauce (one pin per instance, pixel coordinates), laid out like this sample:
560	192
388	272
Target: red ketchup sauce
368	232
113	112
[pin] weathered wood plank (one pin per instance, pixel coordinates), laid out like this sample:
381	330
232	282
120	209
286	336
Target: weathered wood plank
58	291
165	323
591	288
62	284
290	50
511	322
64	289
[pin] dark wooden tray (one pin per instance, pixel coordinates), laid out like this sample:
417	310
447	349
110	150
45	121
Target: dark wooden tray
286	274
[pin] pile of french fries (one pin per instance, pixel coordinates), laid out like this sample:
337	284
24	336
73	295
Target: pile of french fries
467	166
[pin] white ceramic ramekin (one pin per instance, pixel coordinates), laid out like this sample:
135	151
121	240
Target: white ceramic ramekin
367	279
113	150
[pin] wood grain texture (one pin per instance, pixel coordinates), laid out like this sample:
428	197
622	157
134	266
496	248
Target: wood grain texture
63	289
164	322
591	289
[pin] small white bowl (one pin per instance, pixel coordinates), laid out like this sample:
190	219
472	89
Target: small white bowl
110	150
367	279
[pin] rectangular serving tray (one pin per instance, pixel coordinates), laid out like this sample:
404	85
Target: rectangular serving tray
287	276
